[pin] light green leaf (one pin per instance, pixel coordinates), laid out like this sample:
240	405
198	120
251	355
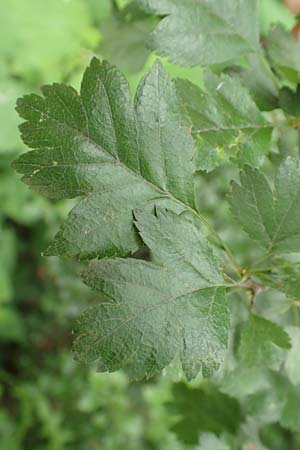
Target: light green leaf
204	32
290	415
244	381
153	312
124	38
226	124
209	441
203	409
270	217
118	157
292	362
284	53
260	340
274	11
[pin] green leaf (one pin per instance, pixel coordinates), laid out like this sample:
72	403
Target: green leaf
256	77
270	217
152	312
259	341
203	409
284	53
244	381
292	362
290	101
226	124
118	157
209	441
274	11
284	279
290	415
124	38
204	32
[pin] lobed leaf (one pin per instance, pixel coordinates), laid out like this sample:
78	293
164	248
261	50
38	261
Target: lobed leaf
226	123
258	340
203	409
204	32
270	217
283	51
152	312
116	155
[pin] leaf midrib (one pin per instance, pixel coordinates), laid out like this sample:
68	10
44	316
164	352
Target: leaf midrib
158	305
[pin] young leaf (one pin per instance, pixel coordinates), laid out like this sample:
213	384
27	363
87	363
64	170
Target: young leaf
118	157
203	409
258	341
226	124
271	218
154	311
284	53
204	32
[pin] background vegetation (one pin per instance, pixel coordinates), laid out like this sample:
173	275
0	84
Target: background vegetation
47	401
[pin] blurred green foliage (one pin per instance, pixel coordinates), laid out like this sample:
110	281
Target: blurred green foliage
47	401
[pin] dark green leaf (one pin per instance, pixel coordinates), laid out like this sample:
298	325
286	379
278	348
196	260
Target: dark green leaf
203	409
154	311
290	100
118	157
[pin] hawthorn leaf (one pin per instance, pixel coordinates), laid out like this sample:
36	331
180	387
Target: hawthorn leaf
125	36
290	100
245	381
292	362
152	312
284	279
115	155
204	32
256	78
226	123
209	441
283	50
203	409
274	436
270	217
290	415
259	343
265	406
